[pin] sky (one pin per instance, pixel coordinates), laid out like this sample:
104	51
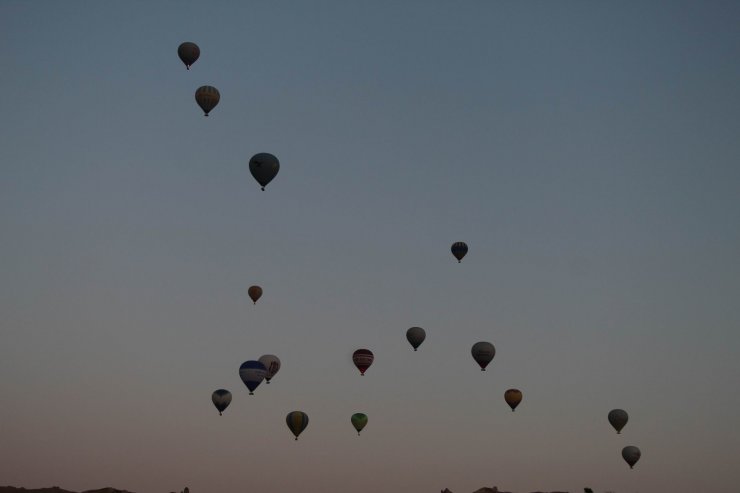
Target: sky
587	152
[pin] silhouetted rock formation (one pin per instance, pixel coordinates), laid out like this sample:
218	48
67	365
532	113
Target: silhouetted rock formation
55	489
106	490
494	490
482	490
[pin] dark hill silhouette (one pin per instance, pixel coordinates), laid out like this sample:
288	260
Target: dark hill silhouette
52	489
496	490
56	489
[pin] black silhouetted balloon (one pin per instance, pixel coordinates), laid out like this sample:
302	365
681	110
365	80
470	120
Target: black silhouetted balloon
188	53
459	249
631	455
618	418
483	352
254	292
264	167
415	336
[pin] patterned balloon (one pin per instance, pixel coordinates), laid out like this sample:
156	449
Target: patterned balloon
297	422
363	358
252	373
272	363
207	98
221	399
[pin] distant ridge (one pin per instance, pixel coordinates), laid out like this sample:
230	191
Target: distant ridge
56	489
494	490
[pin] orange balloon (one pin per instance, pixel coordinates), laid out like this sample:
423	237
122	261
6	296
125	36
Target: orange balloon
513	397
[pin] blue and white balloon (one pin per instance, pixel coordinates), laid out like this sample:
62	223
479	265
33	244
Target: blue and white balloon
252	373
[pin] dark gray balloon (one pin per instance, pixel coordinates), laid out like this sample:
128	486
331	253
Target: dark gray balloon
618	418
483	352
221	399
631	455
264	167
415	336
188	53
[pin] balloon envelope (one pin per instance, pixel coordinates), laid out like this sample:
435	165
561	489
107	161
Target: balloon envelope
221	399
513	397
188	53
272	363
631	455
207	98
359	420
297	422
363	358
415	336
252	373
618	418
483	352
254	292
264	167
459	249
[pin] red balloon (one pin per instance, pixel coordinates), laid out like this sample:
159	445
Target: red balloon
363	358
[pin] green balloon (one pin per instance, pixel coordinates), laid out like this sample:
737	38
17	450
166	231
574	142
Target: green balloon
359	420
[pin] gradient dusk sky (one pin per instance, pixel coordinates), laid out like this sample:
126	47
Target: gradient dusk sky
588	152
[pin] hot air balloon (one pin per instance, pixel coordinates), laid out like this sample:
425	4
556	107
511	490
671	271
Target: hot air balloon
254	292
272	363
297	422
252	373
513	397
459	249
207	98
359	420
618	418
483	353
362	359
264	167
188	53
221	399
631	455
415	336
